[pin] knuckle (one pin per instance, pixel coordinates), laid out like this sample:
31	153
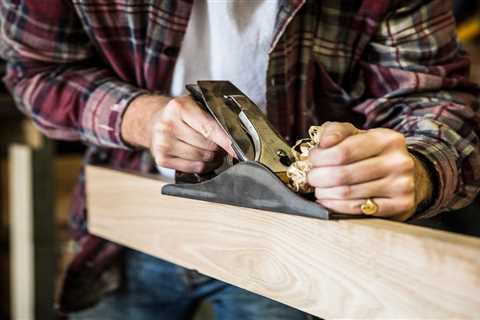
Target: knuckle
345	192
334	128
353	206
329	127
405	163
396	138
206	131
406	204
342	155
348	125
332	125
407	185
328	124
339	124
342	176
171	111
175	107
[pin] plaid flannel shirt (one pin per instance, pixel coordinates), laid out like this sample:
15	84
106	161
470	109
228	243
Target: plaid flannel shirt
74	66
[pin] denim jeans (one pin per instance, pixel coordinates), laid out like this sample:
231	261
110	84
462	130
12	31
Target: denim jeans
156	289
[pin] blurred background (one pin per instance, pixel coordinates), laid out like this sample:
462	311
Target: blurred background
38	176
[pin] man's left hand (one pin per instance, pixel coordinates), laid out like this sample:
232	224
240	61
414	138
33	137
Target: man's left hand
352	165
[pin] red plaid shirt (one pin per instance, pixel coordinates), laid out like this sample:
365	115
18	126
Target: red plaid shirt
74	66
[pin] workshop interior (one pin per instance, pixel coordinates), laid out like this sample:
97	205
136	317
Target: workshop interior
263	178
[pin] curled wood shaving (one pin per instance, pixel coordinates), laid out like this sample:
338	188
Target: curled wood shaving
297	172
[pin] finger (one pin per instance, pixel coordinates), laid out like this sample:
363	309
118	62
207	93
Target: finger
358	147
203	123
352	149
350	174
386	207
165	143
185	133
335	132
378	188
186	151
187	165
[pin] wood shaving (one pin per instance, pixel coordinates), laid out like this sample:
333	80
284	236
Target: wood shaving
297	172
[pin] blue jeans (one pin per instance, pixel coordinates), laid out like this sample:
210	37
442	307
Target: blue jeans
156	289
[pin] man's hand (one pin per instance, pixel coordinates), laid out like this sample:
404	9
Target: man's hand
179	134
351	165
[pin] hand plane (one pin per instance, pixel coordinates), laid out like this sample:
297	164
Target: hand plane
258	180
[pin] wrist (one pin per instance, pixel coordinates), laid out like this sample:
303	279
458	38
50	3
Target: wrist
136	121
423	184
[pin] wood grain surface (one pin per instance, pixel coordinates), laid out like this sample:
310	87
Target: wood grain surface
22	262
351	268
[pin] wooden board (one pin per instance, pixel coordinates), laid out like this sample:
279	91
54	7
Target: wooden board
32	237
21	232
356	268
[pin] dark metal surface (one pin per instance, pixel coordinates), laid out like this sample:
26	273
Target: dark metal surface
213	93
251	185
268	143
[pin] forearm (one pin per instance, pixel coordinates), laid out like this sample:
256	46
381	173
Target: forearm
78	102
424	182
56	76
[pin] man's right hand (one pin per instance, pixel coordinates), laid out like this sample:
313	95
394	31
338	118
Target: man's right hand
179	134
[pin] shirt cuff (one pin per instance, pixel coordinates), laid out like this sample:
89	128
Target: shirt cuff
443	161
102	116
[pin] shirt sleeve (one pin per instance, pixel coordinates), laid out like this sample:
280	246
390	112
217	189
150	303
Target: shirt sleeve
415	76
55	75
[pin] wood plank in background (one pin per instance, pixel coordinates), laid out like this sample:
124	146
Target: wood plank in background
32	237
351	268
21	232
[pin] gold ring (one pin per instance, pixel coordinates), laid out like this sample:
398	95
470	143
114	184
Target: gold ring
369	207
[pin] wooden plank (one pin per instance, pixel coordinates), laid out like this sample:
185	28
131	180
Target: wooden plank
32	237
356	268
21	232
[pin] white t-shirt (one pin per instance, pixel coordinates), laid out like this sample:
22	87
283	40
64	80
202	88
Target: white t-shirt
227	40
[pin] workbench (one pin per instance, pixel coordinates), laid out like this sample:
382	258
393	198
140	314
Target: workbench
356	268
